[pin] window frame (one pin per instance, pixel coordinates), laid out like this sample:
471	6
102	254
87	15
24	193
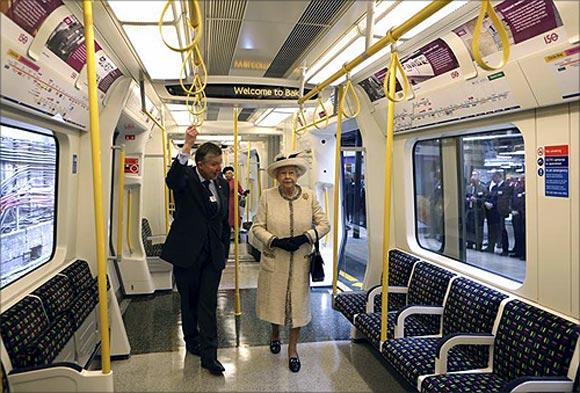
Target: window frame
459	135
415	196
7	122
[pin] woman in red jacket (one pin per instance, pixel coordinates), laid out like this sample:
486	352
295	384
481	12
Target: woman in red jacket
228	172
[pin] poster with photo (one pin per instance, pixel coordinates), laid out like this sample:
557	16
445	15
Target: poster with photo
524	19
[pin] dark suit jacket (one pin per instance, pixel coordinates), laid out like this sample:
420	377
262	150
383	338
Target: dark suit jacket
193	224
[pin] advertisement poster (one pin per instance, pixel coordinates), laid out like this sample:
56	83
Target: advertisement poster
433	59
524	19
566	71
29	14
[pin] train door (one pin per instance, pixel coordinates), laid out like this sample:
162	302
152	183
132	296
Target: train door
354	255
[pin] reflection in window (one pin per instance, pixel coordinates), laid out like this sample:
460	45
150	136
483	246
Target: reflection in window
429	195
482	194
28	187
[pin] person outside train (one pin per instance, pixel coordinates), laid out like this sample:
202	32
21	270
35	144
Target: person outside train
228	172
519	219
287	223
498	207
198	243
474	200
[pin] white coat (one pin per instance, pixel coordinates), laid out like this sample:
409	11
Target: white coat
283	295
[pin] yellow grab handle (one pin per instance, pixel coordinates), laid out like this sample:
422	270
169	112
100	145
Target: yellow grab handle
393	68
294	128
487	8
350	88
196	17
319	103
199	83
197	30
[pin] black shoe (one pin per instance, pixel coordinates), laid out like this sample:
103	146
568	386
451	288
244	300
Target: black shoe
275	346
504	254
514	255
213	366
294	364
193	348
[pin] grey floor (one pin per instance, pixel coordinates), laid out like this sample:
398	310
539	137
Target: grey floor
330	361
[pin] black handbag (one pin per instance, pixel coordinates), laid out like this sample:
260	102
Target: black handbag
316	263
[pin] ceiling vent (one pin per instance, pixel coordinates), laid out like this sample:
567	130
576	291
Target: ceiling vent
222	27
316	20
246	113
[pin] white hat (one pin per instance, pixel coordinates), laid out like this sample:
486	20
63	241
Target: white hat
290	159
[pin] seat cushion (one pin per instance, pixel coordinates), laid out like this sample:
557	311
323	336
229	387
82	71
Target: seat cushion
396	302
415	356
79	275
83	305
350	303
470	382
370	326
56	295
400	268
21	326
533	342
49	345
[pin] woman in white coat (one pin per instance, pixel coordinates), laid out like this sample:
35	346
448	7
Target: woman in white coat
287	223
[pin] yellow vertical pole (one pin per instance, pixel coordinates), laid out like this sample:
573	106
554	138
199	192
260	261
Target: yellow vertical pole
294	126
237	305
129	210
387	200
326	210
120	200
165	164
248	171
97	184
336	191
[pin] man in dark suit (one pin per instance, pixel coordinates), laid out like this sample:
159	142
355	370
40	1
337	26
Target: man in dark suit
198	243
497	204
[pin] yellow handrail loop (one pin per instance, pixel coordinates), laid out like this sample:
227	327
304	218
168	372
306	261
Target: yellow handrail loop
320	103
348	87
487	8
194	26
395	67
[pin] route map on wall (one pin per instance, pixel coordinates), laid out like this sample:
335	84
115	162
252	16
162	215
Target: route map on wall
54	85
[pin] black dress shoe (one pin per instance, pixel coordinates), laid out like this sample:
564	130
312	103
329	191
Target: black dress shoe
294	364
193	348
213	366
275	346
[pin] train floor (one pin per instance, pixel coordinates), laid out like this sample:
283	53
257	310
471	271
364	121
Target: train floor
330	360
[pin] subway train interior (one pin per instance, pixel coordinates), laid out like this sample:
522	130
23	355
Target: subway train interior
438	140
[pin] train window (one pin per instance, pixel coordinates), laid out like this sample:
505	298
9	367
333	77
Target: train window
28	163
470	200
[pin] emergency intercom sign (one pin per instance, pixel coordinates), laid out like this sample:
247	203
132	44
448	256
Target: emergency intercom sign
557	171
132	165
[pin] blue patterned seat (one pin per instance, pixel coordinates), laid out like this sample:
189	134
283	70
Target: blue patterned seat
470	308
29	337
427	287
530	344
400	268
151	250
85	290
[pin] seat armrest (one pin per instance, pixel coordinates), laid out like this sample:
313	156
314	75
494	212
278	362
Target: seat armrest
455	339
377	291
540	384
410	310
155	239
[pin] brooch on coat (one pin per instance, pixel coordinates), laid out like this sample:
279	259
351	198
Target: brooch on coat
305	196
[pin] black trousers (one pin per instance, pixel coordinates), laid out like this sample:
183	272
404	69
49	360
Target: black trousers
198	287
498	235
519	223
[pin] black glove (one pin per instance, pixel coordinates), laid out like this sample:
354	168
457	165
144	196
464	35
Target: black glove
299	240
285	244
246	192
